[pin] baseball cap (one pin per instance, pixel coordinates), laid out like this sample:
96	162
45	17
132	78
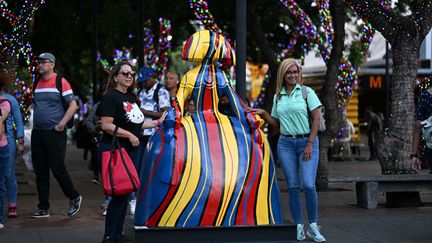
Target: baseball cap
47	56
144	74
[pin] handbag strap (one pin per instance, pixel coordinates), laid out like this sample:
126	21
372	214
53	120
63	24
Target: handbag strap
115	141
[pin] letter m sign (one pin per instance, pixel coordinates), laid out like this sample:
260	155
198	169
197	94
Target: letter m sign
375	82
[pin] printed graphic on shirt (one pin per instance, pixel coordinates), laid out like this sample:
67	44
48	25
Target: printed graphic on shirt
133	112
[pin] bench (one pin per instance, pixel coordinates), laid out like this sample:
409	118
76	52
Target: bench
368	187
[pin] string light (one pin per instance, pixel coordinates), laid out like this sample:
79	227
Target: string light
155	57
14	46
202	13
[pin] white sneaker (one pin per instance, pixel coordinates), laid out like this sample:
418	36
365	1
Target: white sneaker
300	232
104	212
314	233
1	226
132	204
140	227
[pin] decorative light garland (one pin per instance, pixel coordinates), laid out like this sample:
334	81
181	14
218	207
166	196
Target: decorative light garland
155	57
202	13
14	45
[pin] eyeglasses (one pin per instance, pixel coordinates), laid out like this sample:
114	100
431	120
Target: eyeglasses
292	72
126	74
38	62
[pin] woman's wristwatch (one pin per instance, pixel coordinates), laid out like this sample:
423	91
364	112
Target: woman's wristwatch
21	141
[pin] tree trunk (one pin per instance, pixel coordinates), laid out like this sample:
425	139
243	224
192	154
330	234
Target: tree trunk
405	34
328	92
395	146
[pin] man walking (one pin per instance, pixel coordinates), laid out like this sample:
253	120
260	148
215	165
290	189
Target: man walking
52	110
154	99
171	84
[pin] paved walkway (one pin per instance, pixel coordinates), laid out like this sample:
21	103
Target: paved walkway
340	219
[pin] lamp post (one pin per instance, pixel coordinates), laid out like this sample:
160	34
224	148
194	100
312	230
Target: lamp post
140	31
241	47
95	90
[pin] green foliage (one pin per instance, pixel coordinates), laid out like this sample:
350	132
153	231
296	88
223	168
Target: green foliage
64	28
356	56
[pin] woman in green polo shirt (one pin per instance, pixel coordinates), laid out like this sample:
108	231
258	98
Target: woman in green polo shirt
298	149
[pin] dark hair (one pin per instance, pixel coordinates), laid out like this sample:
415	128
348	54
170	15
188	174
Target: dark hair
114	71
5	78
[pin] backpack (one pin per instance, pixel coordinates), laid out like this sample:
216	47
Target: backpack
322	126
155	94
59	87
427	131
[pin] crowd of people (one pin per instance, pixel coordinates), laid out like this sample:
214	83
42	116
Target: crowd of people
294	118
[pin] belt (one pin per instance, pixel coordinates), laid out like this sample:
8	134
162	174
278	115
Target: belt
297	136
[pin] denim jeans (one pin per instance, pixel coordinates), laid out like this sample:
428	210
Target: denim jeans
116	211
290	153
10	178
4	160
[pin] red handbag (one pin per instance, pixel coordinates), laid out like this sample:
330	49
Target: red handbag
119	175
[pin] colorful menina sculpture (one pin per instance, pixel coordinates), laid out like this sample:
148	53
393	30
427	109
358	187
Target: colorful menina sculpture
214	167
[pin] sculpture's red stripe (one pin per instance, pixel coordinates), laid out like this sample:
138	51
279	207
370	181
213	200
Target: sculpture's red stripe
217	169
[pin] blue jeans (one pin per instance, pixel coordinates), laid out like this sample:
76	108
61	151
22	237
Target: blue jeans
10	178
116	211
4	160
290	153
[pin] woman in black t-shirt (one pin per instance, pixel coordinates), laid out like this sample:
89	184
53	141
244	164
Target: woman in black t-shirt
119	107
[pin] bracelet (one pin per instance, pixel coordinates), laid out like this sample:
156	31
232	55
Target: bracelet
413	156
310	141
20	141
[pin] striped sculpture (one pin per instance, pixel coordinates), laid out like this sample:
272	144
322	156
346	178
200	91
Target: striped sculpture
213	167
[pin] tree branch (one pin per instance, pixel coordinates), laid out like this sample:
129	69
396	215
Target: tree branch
378	16
422	16
338	13
254	25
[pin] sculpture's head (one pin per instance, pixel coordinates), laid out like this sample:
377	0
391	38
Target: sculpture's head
206	45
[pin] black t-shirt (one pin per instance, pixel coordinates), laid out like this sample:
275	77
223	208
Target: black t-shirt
126	113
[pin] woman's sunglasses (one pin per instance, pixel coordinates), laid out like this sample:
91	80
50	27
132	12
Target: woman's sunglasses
126	74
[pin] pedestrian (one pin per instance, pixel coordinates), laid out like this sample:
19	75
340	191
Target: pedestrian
224	105
154	99
4	151
190	108
423	112
119	108
297	148
48	138
94	129
374	126
83	138
171	84
14	131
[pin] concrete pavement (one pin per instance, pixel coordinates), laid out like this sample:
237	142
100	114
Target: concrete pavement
340	219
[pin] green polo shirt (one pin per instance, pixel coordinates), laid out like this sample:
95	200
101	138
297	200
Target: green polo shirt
291	110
